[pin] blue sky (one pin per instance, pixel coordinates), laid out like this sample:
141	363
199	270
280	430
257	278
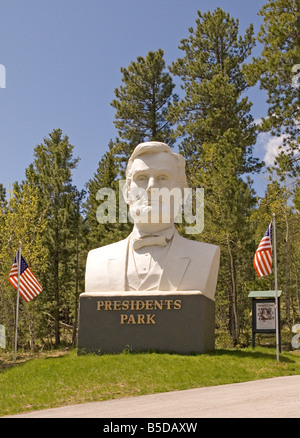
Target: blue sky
63	58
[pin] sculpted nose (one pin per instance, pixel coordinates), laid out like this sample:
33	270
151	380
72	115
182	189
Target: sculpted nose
151	184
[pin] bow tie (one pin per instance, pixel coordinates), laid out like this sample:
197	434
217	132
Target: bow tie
150	240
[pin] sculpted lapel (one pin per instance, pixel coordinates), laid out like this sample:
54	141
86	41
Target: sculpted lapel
116	268
175	265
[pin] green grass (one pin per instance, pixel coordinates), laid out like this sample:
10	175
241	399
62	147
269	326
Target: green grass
47	382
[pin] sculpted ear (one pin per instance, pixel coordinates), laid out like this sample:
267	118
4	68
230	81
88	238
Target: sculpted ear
126	191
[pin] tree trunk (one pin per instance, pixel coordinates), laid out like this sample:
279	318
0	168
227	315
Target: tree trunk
31	328
76	281
56	295
297	295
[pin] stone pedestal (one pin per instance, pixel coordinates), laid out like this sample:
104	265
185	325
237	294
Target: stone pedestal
168	322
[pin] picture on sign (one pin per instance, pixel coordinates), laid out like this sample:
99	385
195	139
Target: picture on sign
265	316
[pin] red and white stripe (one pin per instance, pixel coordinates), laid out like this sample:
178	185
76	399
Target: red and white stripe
29	285
263	257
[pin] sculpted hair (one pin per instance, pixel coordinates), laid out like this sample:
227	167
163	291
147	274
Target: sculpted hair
155	147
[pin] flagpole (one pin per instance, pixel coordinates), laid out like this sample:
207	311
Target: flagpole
276	288
18	298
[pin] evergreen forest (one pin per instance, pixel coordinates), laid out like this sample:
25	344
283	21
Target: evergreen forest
199	105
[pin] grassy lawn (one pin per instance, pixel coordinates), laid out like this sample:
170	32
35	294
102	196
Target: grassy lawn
65	378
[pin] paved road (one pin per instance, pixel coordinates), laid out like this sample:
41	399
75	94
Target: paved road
269	398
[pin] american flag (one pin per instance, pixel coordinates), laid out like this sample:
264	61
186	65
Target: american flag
29	285
263	257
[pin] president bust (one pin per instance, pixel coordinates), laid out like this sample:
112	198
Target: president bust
154	257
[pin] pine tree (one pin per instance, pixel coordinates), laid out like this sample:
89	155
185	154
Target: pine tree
142	103
21	220
52	168
106	177
277	70
213	82
76	267
218	136
277	199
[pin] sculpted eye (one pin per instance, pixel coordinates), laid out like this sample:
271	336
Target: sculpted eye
141	178
162	178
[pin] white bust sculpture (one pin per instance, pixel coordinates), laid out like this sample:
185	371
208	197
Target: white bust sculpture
154	257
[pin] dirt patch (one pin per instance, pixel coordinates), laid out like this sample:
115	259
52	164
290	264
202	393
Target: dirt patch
7	358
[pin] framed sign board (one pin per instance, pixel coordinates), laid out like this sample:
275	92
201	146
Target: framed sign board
263	314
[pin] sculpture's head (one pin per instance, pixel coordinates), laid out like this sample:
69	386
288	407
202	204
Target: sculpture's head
155	182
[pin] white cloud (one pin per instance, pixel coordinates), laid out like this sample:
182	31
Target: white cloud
270	145
258	121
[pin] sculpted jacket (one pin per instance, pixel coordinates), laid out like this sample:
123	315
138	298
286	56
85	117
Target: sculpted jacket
189	265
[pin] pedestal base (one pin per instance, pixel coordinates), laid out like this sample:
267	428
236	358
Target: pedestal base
169	322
